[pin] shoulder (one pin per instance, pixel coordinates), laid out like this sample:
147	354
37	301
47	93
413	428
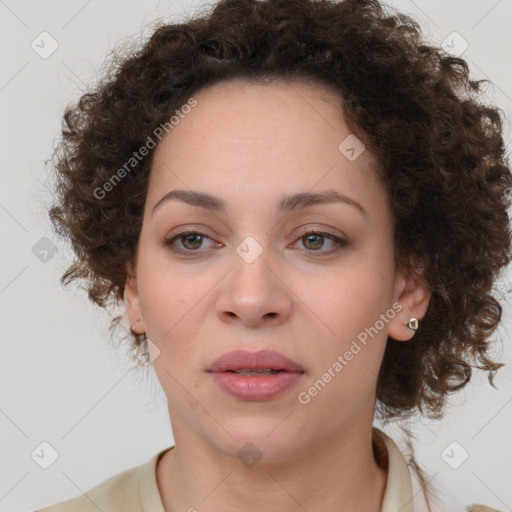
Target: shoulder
118	493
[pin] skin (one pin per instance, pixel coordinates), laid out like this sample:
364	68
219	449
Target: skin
250	145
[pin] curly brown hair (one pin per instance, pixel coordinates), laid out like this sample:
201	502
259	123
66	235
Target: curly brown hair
439	150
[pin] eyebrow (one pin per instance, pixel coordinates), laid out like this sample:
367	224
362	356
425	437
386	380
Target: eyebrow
286	204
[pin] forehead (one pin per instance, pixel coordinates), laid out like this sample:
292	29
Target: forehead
257	138
281	112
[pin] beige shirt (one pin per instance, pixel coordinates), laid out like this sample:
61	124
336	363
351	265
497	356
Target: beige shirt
136	490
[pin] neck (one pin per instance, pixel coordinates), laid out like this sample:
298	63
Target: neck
339	474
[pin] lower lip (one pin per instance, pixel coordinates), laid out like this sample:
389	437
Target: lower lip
256	388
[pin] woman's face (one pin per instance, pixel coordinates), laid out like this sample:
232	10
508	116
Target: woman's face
253	279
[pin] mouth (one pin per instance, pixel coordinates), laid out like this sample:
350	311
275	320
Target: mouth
255	376
264	362
255	373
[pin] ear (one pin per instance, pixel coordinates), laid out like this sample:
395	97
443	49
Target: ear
412	293
131	299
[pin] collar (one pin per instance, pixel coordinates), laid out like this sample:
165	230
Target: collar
398	492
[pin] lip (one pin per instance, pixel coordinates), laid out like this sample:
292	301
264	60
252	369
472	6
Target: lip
245	360
258	387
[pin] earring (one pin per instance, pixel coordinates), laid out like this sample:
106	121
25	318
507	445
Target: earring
412	323
132	328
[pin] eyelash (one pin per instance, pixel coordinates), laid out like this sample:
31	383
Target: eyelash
168	242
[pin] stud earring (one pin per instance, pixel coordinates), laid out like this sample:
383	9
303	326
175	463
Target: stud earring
412	323
132	327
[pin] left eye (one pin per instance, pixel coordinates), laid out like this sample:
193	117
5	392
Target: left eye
194	241
317	238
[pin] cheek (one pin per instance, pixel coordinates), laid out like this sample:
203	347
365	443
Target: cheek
170	305
346	308
347	357
345	302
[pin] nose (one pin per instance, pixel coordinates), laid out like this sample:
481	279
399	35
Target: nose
255	292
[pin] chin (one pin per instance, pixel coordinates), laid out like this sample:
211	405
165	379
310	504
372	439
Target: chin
265	438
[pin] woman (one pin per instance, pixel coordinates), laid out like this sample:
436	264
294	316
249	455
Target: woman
303	207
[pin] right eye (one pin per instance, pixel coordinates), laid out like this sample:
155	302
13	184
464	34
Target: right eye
190	240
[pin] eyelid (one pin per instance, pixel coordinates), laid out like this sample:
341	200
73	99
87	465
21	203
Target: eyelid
326	230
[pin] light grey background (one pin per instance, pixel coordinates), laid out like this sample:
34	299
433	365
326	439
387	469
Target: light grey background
62	382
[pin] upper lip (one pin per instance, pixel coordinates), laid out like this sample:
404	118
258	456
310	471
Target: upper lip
245	360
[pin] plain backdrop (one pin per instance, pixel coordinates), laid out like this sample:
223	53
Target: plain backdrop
62	383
